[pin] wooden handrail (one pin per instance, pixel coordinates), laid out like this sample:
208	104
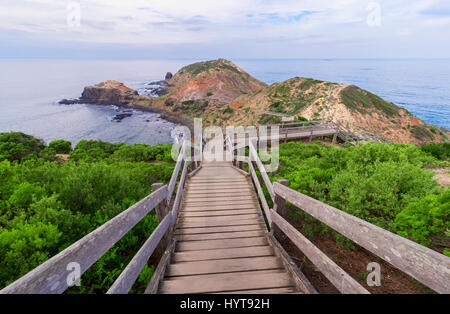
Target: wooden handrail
261	168
260	192
174	178
335	274
179	194
424	264
51	276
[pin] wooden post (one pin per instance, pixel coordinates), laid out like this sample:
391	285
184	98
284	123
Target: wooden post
279	206
310	136
161	211
334	138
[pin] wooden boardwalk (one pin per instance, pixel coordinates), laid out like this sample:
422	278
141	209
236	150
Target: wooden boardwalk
221	235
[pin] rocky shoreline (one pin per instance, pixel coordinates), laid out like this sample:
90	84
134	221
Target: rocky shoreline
117	94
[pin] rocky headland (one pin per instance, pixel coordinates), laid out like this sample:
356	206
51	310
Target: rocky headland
223	94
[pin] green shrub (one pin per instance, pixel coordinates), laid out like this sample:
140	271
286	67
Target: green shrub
375	182
424	219
45	206
440	151
17	146
60	146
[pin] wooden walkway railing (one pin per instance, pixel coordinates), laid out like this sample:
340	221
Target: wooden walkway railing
423	264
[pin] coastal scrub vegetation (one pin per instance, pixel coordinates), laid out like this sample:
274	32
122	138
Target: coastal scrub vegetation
388	185
46	205
358	99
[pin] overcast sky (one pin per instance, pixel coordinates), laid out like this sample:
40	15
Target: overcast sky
225	28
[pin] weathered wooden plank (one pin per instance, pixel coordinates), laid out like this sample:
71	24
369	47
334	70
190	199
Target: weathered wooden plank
336	275
217	219
219	244
160	270
190	256
217	194
302	283
204	224
224	266
227	282
51	276
221	235
190	208
217	197
216	201
229	189
217	184
233	228
212	213
127	278
424	264
260	193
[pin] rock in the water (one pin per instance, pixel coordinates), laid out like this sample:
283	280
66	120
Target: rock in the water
168	76
121	116
69	101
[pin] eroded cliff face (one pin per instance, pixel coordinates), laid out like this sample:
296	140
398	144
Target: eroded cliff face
222	94
109	92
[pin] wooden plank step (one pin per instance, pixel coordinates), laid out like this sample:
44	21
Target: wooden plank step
217	219
224	266
287	290
225	191
223	223
219	244
208	178
216	201
227	282
211	213
217	185
224	229
190	256
215	196
248	205
221	235
217	193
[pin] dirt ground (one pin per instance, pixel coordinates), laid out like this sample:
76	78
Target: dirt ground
442	176
393	281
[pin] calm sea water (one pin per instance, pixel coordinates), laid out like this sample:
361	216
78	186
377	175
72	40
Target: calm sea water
30	90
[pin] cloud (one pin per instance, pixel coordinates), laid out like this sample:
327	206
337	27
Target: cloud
206	22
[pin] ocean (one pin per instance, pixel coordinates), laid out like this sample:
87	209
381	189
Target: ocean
30	91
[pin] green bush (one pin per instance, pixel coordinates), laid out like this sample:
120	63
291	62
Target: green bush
17	146
60	146
45	206
425	219
384	184
440	151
